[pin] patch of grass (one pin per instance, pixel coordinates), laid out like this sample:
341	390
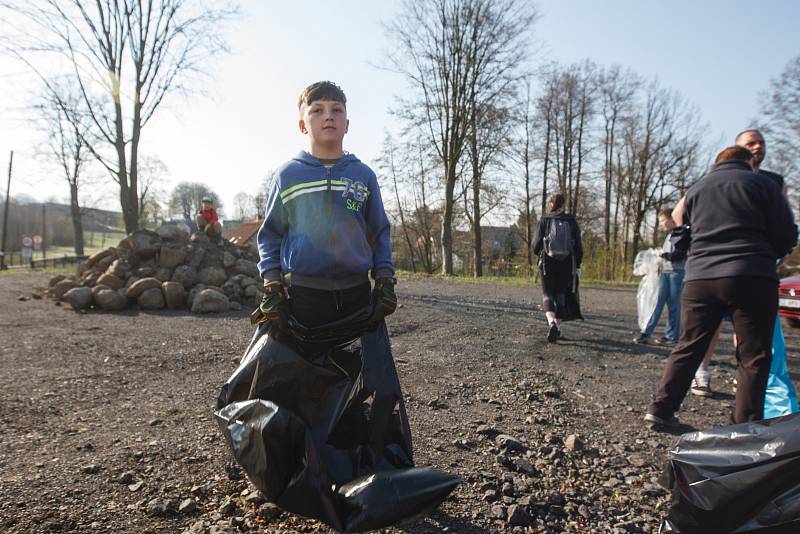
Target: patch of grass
50	270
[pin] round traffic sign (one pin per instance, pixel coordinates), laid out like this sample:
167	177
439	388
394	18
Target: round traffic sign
37	240
27	242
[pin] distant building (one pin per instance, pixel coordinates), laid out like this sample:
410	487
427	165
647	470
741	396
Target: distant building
242	235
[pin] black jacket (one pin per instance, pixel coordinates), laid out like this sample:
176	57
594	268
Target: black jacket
548	264
740	224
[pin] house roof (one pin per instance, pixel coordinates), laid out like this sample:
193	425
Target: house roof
244	233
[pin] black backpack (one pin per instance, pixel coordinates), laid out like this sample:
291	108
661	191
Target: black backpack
558	242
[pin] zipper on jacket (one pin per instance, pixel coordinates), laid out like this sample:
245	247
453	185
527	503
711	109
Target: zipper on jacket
328	177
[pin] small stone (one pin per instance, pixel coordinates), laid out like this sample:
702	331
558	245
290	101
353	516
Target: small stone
510	443
498	511
255	498
187	506
137	486
490	496
227	507
574	443
125	478
269	511
159	507
155	422
90	469
518	517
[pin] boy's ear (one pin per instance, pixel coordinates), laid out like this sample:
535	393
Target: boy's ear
302	125
347	126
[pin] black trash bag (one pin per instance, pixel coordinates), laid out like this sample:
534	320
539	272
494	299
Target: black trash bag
740	478
318	423
571	310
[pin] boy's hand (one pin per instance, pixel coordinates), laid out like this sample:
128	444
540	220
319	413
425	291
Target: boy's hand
270	307
384	300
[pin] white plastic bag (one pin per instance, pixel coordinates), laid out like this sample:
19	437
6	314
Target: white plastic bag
646	265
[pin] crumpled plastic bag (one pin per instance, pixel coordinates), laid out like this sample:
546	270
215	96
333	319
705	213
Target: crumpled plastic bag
736	479
781	397
646	264
318	423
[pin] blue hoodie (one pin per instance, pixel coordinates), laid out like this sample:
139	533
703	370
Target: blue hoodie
326	227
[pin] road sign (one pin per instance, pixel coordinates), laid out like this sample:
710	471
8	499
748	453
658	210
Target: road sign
37	240
27	242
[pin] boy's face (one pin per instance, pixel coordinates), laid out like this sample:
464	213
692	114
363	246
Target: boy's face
324	121
666	223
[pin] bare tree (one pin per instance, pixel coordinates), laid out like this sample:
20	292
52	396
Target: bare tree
126	57
446	49
61	117
151	173
186	197
781	119
243	205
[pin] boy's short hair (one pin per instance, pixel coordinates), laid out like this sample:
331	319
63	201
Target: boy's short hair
324	90
738	153
666	212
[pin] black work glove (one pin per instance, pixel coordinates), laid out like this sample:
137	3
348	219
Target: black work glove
271	306
384	300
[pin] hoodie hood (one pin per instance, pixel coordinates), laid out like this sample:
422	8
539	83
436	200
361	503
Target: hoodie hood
307	159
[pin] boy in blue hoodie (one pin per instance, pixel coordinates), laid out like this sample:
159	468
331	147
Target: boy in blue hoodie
325	229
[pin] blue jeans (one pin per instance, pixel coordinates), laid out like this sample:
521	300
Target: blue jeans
670	285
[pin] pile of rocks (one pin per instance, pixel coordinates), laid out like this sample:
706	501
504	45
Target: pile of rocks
164	269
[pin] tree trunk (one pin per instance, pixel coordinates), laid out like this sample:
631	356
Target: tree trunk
447	220
77	221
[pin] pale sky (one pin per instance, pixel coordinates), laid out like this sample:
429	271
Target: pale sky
718	54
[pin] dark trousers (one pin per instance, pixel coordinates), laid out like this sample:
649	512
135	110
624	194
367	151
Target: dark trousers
554	291
752	303
317	307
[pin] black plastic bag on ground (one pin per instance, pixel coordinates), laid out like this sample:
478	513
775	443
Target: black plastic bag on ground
735	479
318	423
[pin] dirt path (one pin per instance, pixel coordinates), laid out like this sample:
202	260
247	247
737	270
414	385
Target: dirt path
107	423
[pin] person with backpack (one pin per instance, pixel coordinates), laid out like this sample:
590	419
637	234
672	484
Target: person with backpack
558	245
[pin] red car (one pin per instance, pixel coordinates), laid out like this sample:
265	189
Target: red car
789	299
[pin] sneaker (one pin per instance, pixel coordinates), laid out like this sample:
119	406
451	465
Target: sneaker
656	421
667	342
552	334
701	388
642	340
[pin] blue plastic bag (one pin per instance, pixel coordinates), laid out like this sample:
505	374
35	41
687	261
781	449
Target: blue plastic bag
780	398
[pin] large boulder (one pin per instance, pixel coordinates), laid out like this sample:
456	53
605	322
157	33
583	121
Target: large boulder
210	301
228	260
172	232
197	255
171	257
152	298
140	286
111	281
104	263
185	275
119	268
62	287
246	281
163	273
252	291
90	278
92	260
79	298
56	279
146	271
212	276
110	300
143	243
174	294
247	268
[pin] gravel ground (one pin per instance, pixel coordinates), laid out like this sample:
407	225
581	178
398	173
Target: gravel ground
107	423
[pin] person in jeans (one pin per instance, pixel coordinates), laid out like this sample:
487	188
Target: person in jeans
670	283
740	225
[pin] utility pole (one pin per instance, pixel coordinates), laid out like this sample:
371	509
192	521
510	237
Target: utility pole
5	215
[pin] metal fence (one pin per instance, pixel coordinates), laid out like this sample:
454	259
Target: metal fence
17	261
